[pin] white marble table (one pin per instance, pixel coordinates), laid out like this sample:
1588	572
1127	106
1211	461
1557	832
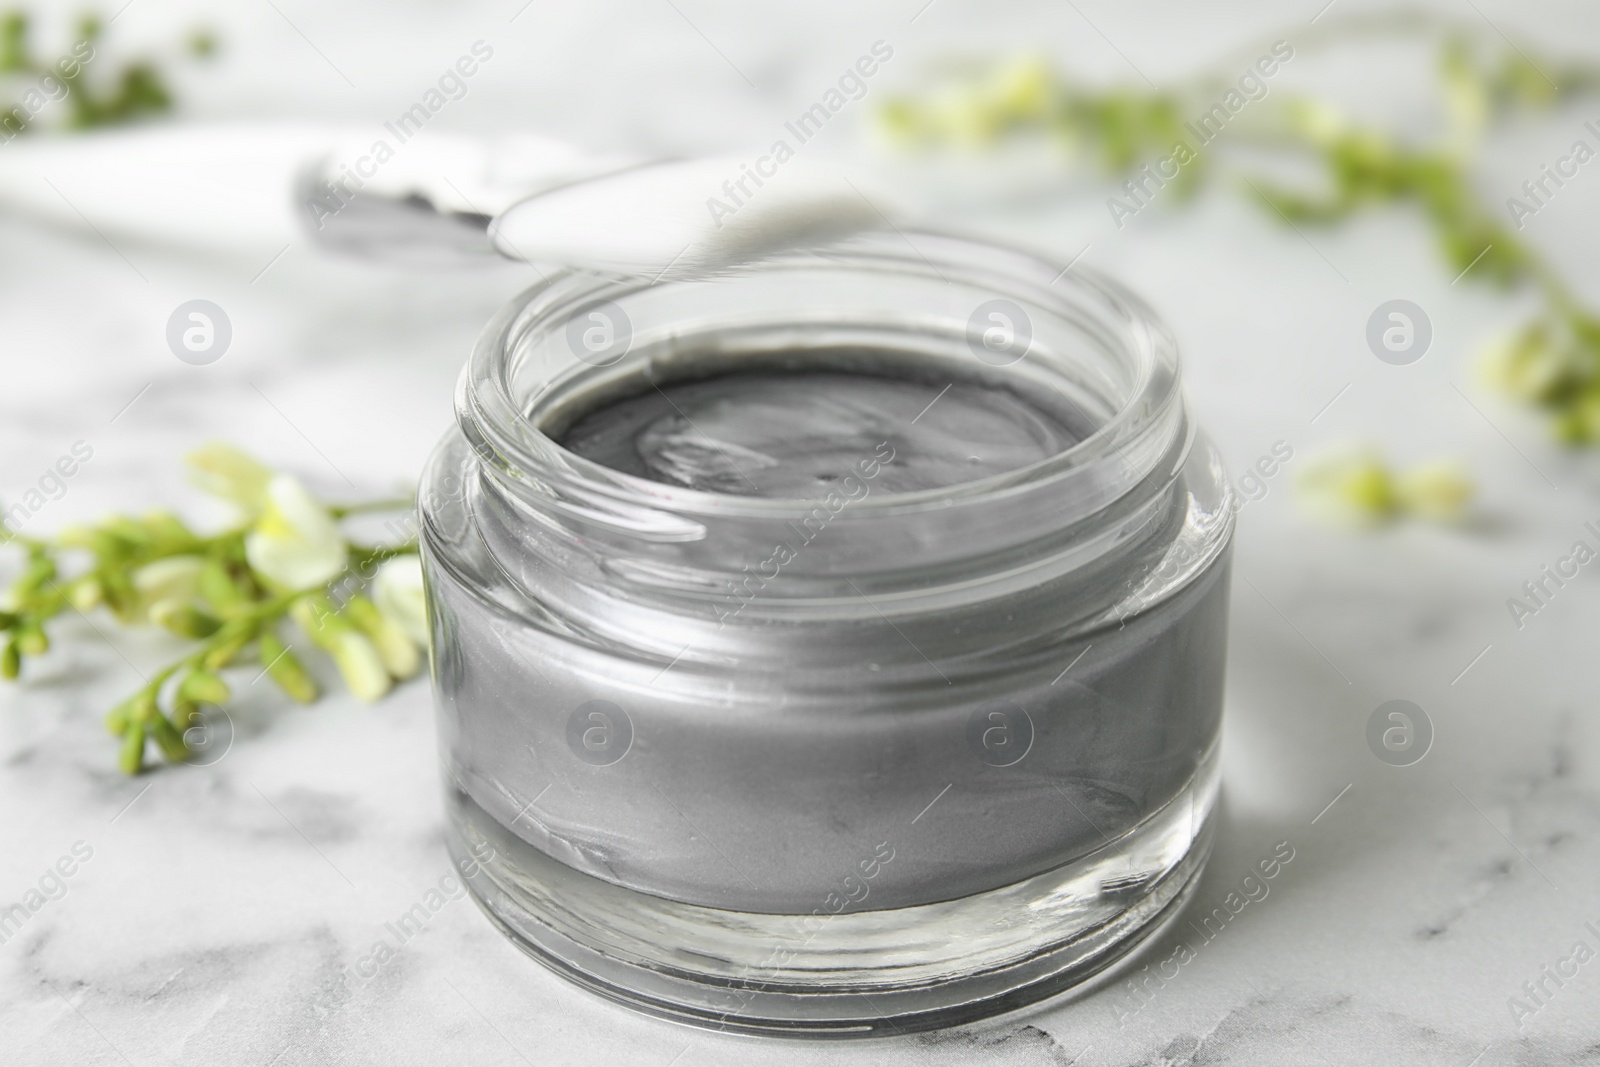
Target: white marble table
218	905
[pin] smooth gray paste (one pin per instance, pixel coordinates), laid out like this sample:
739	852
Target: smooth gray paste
794	434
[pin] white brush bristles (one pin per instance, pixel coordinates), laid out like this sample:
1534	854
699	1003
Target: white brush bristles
685	218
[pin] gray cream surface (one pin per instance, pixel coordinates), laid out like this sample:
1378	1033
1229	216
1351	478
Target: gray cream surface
794	434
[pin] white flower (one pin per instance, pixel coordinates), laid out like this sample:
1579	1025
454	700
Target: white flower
296	544
168	585
224	471
398	592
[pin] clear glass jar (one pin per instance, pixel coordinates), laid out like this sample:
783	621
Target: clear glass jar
961	760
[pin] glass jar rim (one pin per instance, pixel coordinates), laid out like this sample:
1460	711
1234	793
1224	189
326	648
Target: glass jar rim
495	421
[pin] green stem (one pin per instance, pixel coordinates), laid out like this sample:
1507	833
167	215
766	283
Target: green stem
366	555
251	620
340	511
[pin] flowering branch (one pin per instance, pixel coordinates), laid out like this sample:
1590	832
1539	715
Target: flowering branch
1552	362
232	592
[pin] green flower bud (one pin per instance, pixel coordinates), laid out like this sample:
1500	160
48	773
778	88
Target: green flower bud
204	687
1465	92
86	594
119	717
358	662
1022	88
31	639
1352	486
1577	421
231	641
901	120
1525	365
1318	122
185	620
174	578
167	530
41	569
395	648
1439	490
121	597
169	739
1523	79
284	669
185	713
219	588
11	661
315	615
78	536
132	757
133	535
142	707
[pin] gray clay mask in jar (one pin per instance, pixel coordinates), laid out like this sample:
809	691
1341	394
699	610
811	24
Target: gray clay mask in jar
832	646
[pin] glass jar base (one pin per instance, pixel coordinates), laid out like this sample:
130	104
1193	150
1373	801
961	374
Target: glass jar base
850	974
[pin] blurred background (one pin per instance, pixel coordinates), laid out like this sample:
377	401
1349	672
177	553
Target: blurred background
1396	500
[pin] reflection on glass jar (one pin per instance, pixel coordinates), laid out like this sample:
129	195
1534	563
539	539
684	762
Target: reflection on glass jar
841	650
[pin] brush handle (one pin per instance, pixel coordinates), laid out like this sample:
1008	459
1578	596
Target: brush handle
254	189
